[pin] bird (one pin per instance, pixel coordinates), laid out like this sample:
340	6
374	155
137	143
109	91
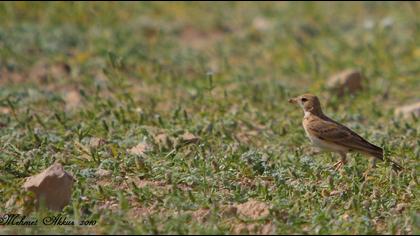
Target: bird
329	135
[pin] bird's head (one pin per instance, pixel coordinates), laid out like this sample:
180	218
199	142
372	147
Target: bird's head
309	103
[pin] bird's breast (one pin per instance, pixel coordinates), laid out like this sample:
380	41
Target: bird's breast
318	142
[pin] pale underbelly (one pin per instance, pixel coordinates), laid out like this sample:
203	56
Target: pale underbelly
327	146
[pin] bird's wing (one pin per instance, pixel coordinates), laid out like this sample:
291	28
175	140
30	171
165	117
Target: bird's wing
333	132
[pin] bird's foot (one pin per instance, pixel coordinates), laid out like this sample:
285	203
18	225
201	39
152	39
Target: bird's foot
339	165
366	174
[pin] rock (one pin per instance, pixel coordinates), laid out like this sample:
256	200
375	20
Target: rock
254	209
347	81
188	138
140	149
72	99
53	187
408	110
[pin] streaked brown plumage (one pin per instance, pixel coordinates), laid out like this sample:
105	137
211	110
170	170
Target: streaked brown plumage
330	135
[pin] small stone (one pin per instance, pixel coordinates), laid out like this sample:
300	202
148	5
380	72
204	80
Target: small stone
140	149
72	99
53	187
254	209
409	110
347	81
189	138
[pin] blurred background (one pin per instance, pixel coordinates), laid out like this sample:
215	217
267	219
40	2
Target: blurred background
245	46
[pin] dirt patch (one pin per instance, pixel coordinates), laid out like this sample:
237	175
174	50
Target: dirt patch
72	99
201	215
156	184
247	137
189	138
10	76
246	182
5	110
44	72
141	183
254	210
140	212
408	111
140	149
48	74
199	39
111	205
135	211
249	134
253	228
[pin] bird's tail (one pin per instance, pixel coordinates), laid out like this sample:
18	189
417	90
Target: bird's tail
379	154
395	166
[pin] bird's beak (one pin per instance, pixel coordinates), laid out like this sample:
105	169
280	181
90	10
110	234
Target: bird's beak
293	100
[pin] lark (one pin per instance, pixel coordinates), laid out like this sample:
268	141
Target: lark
329	135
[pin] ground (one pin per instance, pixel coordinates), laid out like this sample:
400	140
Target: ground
173	117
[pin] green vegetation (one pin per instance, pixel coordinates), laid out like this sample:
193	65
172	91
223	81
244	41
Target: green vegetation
203	88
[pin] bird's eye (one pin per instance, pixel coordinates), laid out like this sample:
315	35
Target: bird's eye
304	99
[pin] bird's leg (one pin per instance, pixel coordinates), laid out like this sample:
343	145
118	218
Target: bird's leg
370	167
343	161
373	163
